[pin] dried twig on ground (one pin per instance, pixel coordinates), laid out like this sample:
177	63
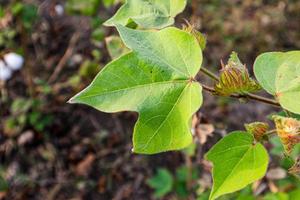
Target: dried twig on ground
69	52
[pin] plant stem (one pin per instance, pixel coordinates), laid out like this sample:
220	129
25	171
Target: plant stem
271	132
247	96
263	99
209	73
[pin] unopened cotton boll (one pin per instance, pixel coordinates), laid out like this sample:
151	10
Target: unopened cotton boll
14	61
5	72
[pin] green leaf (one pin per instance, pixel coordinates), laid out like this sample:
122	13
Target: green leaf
148	14
108	3
162	182
295	194
279	74
29	14
237	162
276	196
115	47
82	7
156	80
3	184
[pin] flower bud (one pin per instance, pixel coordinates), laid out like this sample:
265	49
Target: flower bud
295	169
13	61
257	129
234	78
288	130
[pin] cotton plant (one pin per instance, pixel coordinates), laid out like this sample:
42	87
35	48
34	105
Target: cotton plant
158	79
11	62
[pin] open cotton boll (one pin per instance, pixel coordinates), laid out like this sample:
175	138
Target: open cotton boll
5	72
14	61
59	9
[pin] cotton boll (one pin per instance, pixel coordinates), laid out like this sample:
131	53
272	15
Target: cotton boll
14	61
59	9
5	72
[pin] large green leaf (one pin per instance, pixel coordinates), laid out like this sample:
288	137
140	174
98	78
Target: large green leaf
279	74
156	80
237	162
148	13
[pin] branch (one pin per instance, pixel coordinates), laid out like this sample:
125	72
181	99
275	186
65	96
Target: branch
209	73
271	132
247	96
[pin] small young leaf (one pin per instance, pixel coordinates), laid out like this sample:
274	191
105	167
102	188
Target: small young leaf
148	14
237	162
279	74
162	182
156	80
115	47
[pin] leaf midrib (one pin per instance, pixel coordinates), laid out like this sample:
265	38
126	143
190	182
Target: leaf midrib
132	88
155	133
224	180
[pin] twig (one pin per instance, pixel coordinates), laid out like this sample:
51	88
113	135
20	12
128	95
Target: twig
65	57
247	96
209	74
3	92
262	99
271	132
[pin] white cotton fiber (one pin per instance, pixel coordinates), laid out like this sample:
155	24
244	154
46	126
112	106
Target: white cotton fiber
5	72
14	61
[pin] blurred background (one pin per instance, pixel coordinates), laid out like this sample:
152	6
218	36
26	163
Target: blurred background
53	150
